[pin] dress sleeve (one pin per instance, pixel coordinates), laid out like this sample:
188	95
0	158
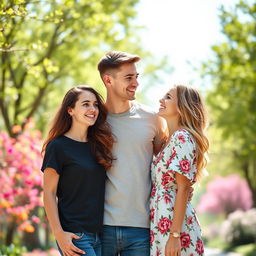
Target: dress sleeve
52	158
183	155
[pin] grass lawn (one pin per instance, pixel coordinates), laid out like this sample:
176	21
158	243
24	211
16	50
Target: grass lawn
246	250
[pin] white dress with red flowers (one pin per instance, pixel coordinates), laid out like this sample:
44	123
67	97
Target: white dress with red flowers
177	156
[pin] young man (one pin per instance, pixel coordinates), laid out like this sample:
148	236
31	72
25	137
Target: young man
139	132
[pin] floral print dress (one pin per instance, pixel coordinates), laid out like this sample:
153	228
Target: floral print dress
177	156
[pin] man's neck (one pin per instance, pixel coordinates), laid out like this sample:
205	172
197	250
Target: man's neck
117	106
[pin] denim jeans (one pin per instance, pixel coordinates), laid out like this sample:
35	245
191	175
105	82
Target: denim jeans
88	242
125	241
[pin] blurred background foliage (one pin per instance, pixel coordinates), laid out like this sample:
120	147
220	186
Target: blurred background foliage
47	47
232	98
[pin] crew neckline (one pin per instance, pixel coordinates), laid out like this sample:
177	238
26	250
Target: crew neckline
130	111
77	141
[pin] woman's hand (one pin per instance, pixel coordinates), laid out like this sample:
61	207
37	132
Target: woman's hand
173	247
64	240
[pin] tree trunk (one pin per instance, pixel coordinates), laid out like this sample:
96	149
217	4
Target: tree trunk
10	232
31	240
249	179
47	235
254	198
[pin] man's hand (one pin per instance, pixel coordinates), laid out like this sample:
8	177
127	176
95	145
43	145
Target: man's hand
190	193
64	240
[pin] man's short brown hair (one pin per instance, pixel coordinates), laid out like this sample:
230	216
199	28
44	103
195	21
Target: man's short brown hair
114	59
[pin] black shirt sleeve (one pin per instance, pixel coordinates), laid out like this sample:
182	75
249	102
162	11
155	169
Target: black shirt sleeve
52	158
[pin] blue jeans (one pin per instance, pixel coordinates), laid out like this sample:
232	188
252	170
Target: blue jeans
125	241
88	242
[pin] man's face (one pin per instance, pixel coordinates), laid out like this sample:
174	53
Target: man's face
124	81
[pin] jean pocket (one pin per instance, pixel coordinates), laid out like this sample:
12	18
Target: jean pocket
80	234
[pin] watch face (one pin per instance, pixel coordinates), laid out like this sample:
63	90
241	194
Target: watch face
175	234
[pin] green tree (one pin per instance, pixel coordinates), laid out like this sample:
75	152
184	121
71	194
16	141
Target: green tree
47	46
233	97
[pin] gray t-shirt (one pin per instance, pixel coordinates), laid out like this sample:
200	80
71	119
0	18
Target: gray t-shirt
128	184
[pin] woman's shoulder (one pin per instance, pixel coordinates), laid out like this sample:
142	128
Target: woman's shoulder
182	136
55	143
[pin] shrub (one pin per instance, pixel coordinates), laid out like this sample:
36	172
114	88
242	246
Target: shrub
11	250
38	252
226	195
239	228
20	180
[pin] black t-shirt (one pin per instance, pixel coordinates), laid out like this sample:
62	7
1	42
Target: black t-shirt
81	187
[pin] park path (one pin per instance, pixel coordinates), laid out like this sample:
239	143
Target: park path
217	252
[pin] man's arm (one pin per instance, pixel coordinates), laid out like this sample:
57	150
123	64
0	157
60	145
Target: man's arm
161	136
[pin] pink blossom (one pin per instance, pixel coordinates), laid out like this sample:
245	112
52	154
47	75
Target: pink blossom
35	219
43	225
20	178
10	150
38	252
6	195
225	195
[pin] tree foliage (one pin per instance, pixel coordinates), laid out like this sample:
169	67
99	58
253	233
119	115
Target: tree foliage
47	46
233	96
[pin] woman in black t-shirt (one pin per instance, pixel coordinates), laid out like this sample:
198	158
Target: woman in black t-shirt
77	153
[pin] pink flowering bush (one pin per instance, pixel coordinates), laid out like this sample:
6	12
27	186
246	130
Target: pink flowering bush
225	195
37	252
20	178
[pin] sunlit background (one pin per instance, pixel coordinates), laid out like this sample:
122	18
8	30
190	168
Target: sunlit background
183	32
49	46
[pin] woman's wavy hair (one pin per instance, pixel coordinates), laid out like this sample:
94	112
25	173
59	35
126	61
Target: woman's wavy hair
99	135
193	118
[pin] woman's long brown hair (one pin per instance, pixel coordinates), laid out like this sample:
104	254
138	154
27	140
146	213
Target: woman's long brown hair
99	135
194	119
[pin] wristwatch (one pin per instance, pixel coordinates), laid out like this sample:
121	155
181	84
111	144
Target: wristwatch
175	234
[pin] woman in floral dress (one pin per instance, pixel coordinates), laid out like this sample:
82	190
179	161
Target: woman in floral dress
175	230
